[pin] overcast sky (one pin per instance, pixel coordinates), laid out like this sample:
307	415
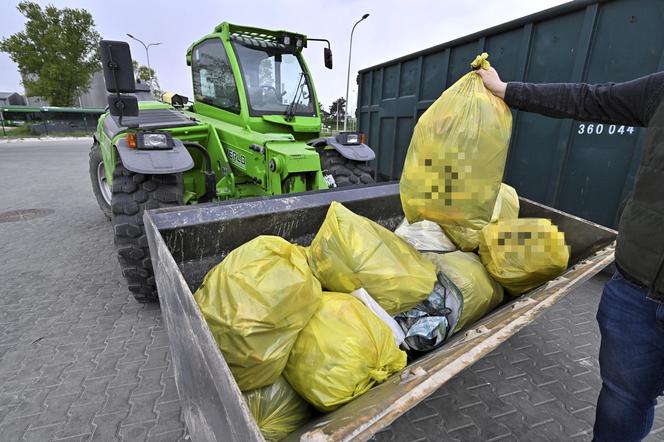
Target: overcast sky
395	28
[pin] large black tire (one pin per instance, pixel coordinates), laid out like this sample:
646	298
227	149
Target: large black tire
344	171
134	193
100	187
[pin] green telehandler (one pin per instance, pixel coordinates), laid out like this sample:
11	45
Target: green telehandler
253	130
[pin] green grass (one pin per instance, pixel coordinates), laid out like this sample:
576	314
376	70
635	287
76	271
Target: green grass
16	132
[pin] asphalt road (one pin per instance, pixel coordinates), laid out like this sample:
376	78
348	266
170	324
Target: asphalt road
80	360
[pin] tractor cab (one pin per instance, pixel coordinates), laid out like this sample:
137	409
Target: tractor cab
255	77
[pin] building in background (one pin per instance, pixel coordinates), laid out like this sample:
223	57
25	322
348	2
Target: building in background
93	97
12	98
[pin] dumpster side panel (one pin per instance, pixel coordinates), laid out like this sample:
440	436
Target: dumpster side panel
579	167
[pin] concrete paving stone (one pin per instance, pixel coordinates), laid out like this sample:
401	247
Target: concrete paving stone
135	351
51	375
13	429
65	353
150	381
105	365
117	399
79	422
5	410
12	360
56	409
136	432
107	426
173	436
94	391
142	408
156	358
141	334
32	402
85	359
170	419
127	374
40	434
114	346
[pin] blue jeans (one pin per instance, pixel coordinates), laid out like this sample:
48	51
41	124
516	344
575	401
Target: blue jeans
631	360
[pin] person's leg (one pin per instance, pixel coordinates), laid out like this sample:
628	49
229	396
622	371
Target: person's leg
631	360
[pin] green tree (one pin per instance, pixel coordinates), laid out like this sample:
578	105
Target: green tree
324	115
57	53
338	106
148	76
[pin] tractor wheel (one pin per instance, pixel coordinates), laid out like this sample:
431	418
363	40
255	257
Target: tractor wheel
134	193
100	187
344	171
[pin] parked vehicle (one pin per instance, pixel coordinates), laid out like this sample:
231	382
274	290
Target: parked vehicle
253	130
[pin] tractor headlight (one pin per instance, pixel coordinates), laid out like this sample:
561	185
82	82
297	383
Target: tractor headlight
353	139
154	140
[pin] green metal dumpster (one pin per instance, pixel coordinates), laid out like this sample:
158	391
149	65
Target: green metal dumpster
582	168
185	242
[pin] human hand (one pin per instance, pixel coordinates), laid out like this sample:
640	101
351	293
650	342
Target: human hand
493	82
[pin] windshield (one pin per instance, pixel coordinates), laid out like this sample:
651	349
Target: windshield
272	80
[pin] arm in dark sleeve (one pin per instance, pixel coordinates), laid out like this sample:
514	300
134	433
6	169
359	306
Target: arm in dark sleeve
632	103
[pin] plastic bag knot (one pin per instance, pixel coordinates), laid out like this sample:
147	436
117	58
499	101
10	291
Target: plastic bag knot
481	62
379	375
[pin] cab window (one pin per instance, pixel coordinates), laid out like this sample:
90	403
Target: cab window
214	83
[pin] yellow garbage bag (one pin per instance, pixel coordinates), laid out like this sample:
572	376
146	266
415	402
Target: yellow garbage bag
524	253
456	158
278	409
255	302
351	252
343	352
507	204
481	294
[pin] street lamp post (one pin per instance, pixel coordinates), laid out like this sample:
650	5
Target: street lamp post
147	55
350	50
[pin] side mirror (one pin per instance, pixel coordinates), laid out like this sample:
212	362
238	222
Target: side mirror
116	63
327	55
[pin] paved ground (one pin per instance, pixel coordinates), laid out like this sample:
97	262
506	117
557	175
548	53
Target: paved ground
80	360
